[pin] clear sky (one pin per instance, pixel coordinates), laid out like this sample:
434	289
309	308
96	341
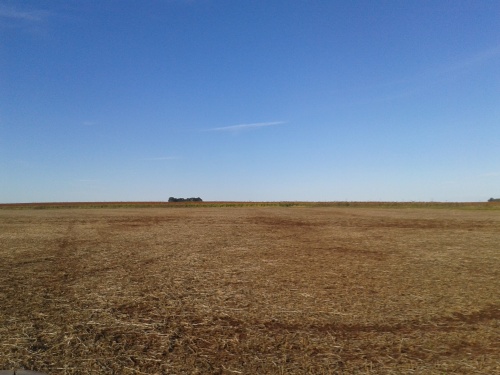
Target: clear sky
252	100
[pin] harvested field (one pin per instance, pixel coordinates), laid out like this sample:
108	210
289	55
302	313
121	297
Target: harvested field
250	290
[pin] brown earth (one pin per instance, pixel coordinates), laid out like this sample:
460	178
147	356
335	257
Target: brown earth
250	290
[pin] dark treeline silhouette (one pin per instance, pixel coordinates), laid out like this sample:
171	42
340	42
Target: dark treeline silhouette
494	200
172	199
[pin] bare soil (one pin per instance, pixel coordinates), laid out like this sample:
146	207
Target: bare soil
250	290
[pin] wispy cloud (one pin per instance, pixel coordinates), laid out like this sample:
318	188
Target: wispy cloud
160	158
240	127
454	69
475	60
30	21
428	77
20	15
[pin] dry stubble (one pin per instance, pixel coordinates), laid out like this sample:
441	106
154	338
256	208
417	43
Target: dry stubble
250	290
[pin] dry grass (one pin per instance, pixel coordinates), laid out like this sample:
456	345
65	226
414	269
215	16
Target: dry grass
250	290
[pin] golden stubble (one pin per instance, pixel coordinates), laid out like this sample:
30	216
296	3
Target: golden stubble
250	290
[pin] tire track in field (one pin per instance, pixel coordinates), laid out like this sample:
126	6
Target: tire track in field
65	265
36	297
459	321
57	302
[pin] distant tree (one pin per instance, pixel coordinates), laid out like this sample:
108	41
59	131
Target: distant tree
494	200
172	199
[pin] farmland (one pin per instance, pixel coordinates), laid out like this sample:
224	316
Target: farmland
250	289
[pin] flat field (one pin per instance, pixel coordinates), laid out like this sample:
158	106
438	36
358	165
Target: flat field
250	290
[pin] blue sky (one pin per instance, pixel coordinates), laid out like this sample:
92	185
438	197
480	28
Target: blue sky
249	100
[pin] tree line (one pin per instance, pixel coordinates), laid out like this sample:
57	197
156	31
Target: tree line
172	199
